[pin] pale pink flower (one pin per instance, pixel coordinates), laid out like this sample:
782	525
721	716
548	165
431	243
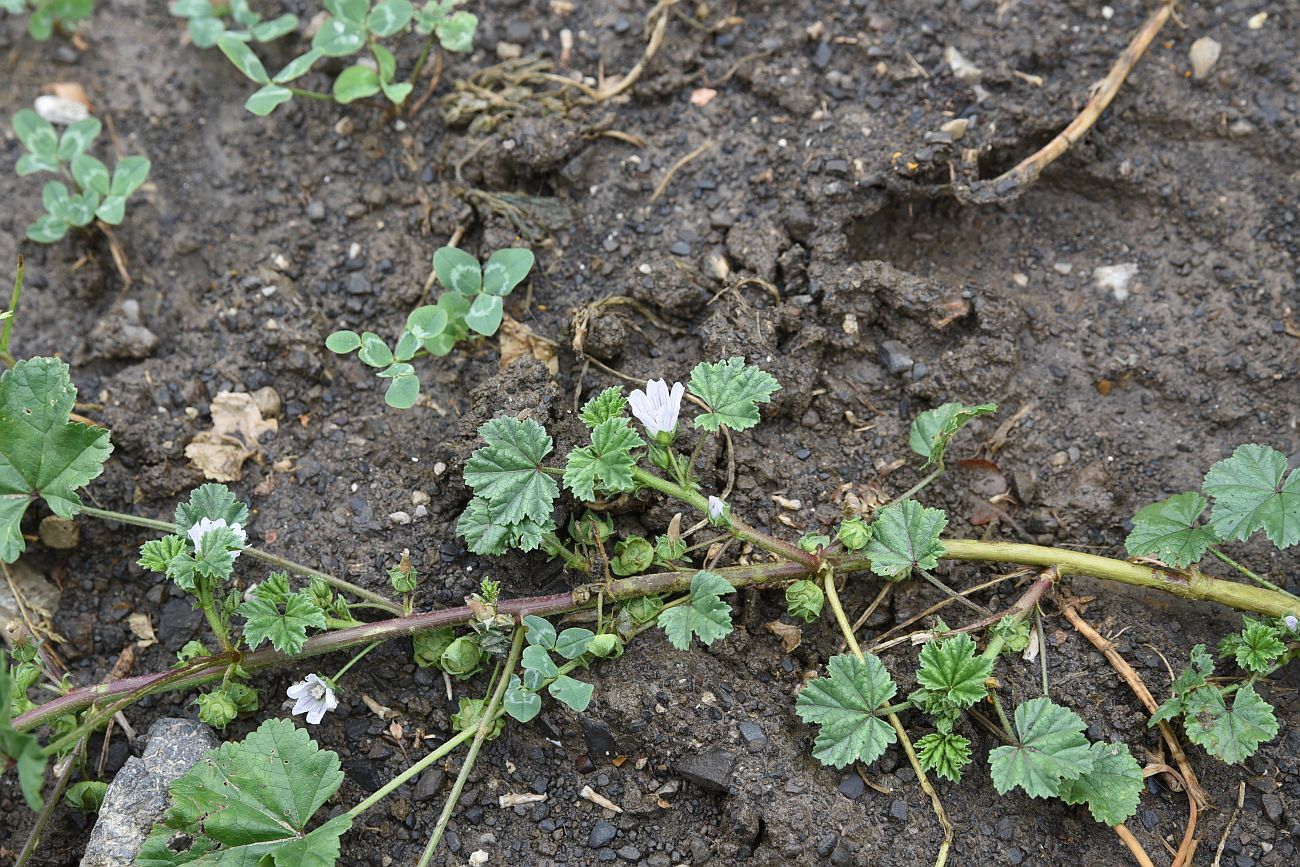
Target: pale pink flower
313	697
657	407
716	507
207	525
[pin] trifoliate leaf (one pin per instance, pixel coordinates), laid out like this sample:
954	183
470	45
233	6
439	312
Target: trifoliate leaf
286	627
211	501
732	390
1256	648
952	672
572	642
507	471
539	631
573	692
250	802
705	616
1168	530
538	666
1250	494
1231	734
1050	747
609	404
933	429
156	555
481	533
946	754
42	454
845	704
20	748
1111	788
905	535
521	703
607	462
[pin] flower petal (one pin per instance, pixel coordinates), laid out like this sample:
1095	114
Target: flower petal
316	714
299	689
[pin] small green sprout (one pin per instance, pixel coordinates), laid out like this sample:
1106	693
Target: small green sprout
94	195
46	15
206	21
474	301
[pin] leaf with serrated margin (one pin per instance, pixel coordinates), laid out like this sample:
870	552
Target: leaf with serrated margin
609	404
1050	747
705	616
507	472
211	501
1168	530
607	462
905	535
732	389
944	753
845	704
1250	493
933	429
1232	734
1111	788
481	532
950	669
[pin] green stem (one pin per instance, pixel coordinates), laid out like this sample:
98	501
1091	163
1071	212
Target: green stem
833	597
1261	581
919	486
486	723
311	94
571	559
375	599
894	708
424	56
1002	717
51	804
7	328
209	607
739	528
411	772
354	660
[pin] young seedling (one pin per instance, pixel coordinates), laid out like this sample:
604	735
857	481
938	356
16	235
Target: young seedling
95	194
47	15
351	27
206	22
474	302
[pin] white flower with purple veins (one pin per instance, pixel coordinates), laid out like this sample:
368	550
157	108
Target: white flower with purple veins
1291	622
716	507
657	407
207	525
313	697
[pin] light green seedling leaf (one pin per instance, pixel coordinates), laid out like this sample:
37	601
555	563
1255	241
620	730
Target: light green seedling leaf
1111	788
507	472
48	229
267	99
349	10
952	672
129	175
389	16
1232	734
80	210
238	53
456	33
403	391
55	198
1050	748
457	270
732	389
905	536
213	501
77	137
285	627
269	31
86	796
572	642
374	351
705	616
21	748
112	210
90	173
607	462
609	404
946	754
356	82
845	704
298	67
1250	493
933	429
205	31
540	632
485	314
157	555
42	453
506	269
1168	530
522	704
30	164
250	802
573	692
339	37
37	134
343	342
538	666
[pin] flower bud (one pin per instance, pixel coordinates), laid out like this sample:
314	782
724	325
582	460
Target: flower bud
804	599
461	657
217	708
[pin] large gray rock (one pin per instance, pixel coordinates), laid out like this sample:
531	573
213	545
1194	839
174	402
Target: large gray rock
137	798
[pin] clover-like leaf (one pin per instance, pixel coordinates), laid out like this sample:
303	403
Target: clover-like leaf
42	453
213	501
540	632
606	463
607	405
507	472
456	31
77	137
238	53
90	173
1234	733
339	37
1252	491
128	175
905	535
506	269
267	99
846	704
1049	748
933	429
1168	530
37	134
457	270
572	642
20	748
520	702
951	672
538	666
1111	788
285	626
48	229
356	82
250	802
389	16
944	753
485	314
269	31
705	616
298	67
403	391
732	389
573	692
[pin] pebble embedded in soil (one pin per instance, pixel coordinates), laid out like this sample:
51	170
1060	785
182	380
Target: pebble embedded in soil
896	357
852	786
711	770
602	834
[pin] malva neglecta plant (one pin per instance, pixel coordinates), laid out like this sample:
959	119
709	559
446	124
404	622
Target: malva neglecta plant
639	447
351	27
96	194
45	16
474	302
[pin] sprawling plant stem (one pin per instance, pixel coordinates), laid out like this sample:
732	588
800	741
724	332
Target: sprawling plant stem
7	325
